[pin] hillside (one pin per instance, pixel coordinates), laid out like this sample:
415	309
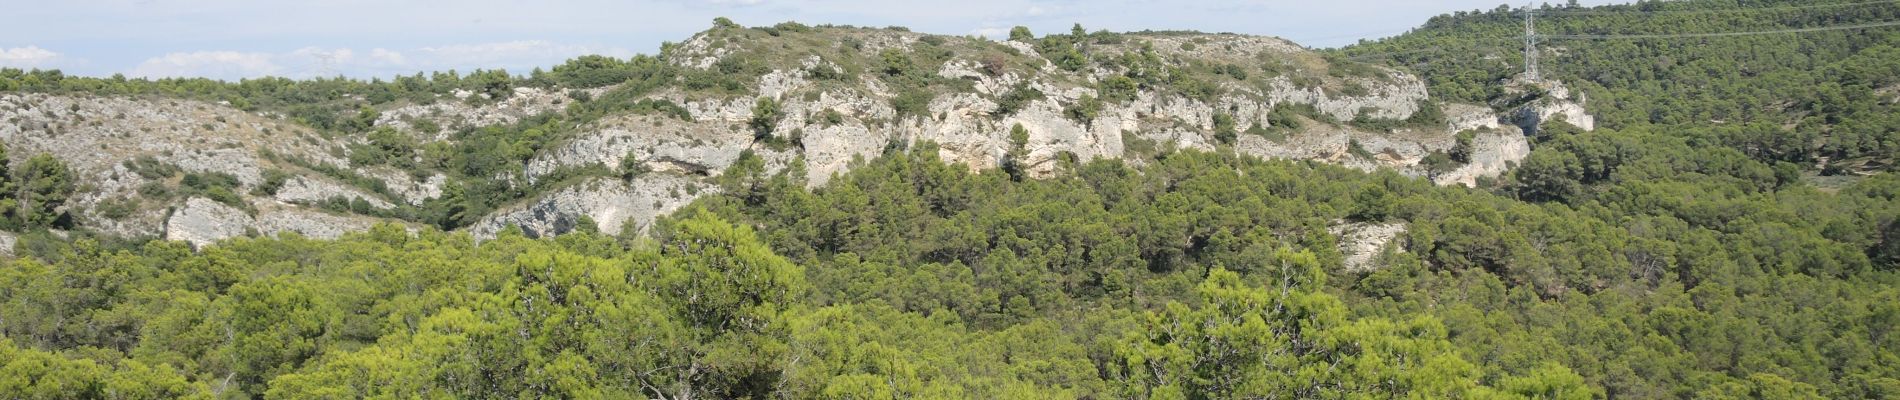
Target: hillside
620	142
801	211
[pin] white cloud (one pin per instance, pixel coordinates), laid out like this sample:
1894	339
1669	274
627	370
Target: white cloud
382	55
992	32
209	64
516	56
29	57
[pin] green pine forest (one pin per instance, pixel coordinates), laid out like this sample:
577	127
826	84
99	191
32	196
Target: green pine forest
1730	231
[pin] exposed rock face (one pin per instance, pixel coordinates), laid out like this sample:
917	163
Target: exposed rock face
313	190
1554	104
1362	243
309	223
97	137
7	242
612	204
825	122
703	147
1466	117
1493	152
455	112
202	222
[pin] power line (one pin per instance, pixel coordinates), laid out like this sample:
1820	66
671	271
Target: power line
1530	44
1652	36
1393	53
1713	11
1723	34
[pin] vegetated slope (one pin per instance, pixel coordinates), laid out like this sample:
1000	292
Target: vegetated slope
1196	275
1641	261
1822	99
614	143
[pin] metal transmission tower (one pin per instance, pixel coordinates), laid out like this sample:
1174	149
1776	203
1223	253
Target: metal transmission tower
1530	44
326	64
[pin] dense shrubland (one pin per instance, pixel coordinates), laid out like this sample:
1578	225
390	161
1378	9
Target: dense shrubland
1199	275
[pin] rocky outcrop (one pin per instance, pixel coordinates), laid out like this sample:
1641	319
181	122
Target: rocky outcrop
203	221
464	109
7	242
704	147
826	121
1466	117
309	190
1493	152
834	125
1362	243
1548	100
615	206
98	137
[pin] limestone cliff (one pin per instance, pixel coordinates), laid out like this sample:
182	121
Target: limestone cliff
841	95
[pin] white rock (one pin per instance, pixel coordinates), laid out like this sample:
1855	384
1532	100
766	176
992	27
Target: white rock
1362	243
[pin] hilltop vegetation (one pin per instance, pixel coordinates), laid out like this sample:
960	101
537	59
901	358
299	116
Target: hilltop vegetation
1823	100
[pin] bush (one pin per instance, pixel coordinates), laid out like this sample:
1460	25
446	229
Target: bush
274	180
117	208
1014	101
830	117
1224	129
591	71
765	116
157	191
1084	109
1119	88
912	102
150	168
1021	34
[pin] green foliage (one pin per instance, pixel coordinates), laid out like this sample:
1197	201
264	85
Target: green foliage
45	185
217	186
1018	152
150	168
1015	99
34	374
1021	34
385	146
912	102
592	71
118	208
830	117
631	166
1064	50
1084	110
274	179
1225	130
1119	88
765	116
1198	275
1661	257
1249	342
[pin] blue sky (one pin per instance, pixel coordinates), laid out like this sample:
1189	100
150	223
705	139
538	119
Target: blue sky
231	39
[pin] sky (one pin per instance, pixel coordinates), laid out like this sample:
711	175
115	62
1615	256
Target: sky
235	39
